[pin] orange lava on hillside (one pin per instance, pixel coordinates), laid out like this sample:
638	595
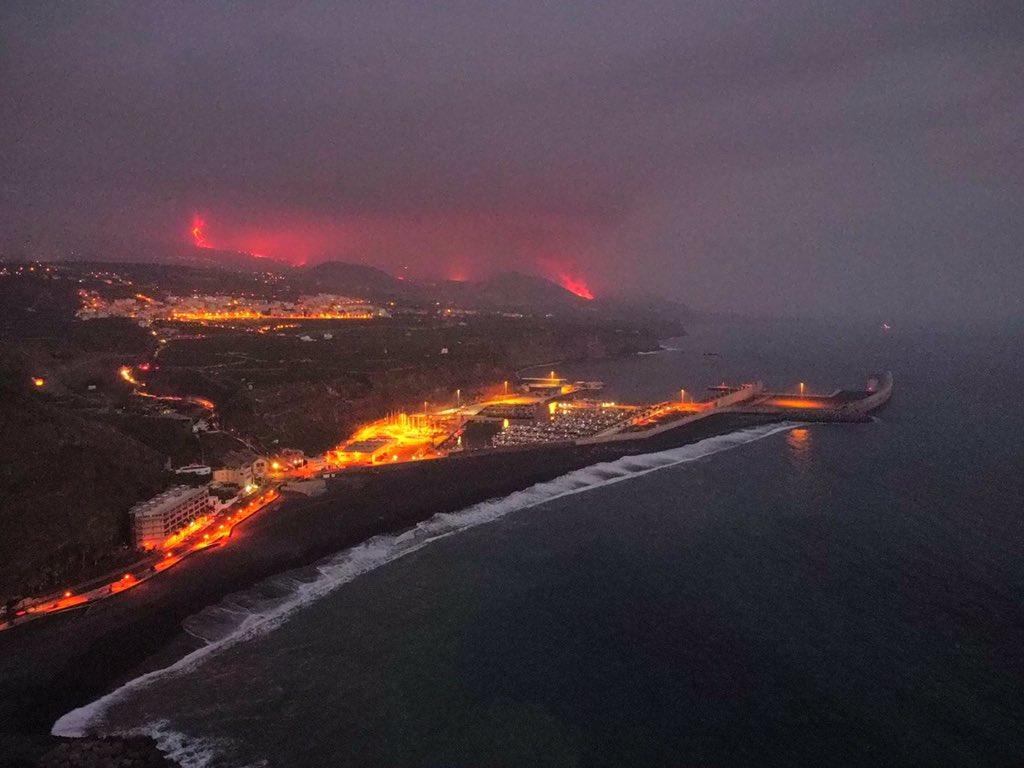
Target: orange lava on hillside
575	285
197	232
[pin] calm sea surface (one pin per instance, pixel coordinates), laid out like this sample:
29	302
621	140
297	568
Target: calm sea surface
831	595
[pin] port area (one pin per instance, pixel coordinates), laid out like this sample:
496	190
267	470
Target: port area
552	410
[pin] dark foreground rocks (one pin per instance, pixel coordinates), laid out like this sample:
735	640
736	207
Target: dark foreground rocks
44	751
137	752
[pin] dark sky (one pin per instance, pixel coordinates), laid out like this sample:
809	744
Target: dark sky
862	158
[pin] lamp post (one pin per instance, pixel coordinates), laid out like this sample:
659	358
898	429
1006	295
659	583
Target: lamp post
801	387
682	395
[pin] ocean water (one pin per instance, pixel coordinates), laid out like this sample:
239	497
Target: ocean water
828	594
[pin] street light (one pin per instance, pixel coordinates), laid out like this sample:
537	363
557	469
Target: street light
682	395
801	387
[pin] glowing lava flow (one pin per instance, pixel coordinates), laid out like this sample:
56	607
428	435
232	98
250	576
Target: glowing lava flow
197	232
576	286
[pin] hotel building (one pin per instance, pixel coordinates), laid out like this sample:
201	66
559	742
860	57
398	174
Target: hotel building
154	520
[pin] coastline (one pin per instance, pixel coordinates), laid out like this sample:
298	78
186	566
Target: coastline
51	667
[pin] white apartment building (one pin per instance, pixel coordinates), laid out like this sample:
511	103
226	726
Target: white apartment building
154	520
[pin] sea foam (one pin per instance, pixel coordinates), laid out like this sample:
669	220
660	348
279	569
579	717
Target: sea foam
187	751
660	350
254	612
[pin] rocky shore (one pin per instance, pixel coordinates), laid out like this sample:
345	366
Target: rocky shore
49	752
137	752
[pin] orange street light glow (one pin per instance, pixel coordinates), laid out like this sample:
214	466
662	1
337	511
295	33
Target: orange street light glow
796	402
68	598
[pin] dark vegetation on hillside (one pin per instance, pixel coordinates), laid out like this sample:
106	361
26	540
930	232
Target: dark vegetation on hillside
78	451
66	480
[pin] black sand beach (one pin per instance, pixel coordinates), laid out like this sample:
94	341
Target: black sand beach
51	666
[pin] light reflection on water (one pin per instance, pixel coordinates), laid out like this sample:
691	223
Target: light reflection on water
800	446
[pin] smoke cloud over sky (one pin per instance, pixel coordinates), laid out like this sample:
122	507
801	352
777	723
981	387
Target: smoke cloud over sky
859	158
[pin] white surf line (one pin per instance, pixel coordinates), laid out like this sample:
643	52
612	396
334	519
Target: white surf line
341	568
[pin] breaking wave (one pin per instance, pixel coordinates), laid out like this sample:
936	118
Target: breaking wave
187	751
662	349
256	611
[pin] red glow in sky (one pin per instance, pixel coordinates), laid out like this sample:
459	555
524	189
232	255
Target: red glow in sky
197	232
458	249
575	285
457	272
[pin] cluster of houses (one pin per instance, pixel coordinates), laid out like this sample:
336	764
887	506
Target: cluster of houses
239	474
147	310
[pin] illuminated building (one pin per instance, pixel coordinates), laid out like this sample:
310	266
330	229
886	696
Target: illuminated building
287	459
241	468
200	470
368	451
164	515
398	437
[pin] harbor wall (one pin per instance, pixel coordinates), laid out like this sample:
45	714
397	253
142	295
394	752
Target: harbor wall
878	398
